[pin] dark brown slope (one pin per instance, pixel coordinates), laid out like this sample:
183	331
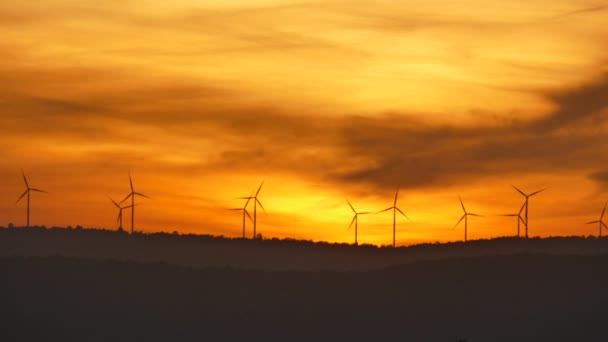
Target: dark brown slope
502	298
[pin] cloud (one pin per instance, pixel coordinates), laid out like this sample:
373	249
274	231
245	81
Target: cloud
439	156
600	177
226	122
175	117
585	10
575	105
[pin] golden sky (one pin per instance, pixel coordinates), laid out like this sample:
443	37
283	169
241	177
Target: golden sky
202	100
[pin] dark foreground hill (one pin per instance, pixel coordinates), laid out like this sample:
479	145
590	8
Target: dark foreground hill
207	251
527	297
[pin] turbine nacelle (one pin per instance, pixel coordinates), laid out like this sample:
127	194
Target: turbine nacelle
118	205
527	196
464	218
27	192
256	201
356	213
394	207
355	220
601	220
27	188
466	213
245	212
520	219
132	196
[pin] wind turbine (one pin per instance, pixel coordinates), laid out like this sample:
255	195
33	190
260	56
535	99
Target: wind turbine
245	213
356	221
526	204
395	210
465	217
256	201
601	220
27	192
132	196
120	209
520	219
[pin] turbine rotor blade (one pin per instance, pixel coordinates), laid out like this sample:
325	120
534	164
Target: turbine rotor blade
351	206
260	188
248	199
521	192
462	204
247	213
537	192
352	222
523	206
604	211
396	197
462	218
25	179
402	213
383	211
140	194
131	182
261	206
113	201
593	222
471	214
38	190
126	198
21	197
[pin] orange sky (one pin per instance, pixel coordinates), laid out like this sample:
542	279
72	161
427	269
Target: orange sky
201	100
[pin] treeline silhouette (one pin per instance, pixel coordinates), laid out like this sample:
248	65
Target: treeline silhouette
521	298
283	241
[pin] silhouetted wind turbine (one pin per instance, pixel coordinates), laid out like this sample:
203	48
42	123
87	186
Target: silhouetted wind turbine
520	219
356	221
245	213
120	209
395	210
132	196
27	192
465	217
526	204
601	220
256	201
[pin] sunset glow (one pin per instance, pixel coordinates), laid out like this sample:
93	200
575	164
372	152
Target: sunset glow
203	100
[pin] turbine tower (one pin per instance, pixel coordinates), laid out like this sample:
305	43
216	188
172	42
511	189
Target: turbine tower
395	210
27	192
520	219
256	202
465	217
132	196
355	221
601	220
120	209
245	213
526	204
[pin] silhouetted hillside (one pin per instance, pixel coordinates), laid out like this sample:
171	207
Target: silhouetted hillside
208	251
502	298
